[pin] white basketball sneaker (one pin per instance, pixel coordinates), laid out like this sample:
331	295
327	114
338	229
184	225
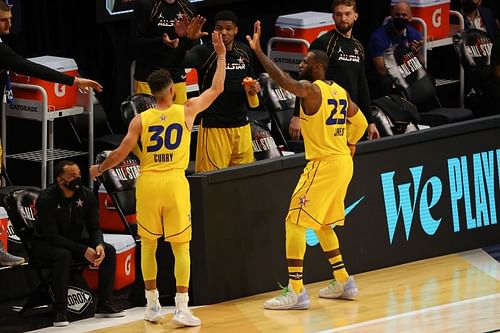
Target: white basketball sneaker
182	315
337	289
289	300
153	307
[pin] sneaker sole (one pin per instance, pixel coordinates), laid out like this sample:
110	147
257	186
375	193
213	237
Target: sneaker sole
109	315
183	324
294	307
155	319
61	324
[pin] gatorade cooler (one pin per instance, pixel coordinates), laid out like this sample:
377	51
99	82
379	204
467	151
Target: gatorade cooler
436	15
191	80
4	221
125	263
306	26
109	218
59	96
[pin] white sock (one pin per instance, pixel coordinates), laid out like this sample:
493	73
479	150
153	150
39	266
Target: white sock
181	301
152	296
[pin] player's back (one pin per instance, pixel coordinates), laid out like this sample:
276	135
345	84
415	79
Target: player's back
165	140
325	133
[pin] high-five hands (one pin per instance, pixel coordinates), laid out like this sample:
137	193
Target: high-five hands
254	41
219	46
190	28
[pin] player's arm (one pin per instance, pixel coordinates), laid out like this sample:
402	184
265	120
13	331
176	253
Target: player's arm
195	105
356	123
122	151
301	88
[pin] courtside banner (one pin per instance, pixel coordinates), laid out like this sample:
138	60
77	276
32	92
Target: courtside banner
422	200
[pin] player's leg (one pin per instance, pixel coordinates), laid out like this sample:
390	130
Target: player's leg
213	149
241	138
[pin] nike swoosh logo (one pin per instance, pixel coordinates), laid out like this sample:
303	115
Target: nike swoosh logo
311	238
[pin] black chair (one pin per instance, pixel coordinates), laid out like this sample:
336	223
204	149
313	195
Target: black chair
280	104
119	183
136	104
473	48
104	137
20	206
417	85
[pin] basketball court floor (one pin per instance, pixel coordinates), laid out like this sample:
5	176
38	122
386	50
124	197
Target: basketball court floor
454	293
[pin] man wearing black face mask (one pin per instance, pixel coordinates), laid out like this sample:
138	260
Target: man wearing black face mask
480	18
393	33
68	230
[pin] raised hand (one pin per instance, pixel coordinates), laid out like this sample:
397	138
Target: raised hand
219	46
254	41
194	28
181	26
170	42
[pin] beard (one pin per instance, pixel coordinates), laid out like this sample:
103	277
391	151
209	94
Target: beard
343	29
306	75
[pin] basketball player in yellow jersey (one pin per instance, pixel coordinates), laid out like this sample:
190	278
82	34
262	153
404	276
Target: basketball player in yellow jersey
163	207
331	125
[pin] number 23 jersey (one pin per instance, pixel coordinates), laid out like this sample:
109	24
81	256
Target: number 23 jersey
325	131
165	140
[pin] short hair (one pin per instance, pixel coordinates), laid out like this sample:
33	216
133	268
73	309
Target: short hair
5	7
59	168
226	15
350	3
159	80
321	57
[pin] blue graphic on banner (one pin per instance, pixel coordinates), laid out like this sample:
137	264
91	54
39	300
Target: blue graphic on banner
311	238
421	195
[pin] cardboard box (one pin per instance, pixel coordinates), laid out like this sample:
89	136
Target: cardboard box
4	221
125	262
436	15
59	96
306	26
109	218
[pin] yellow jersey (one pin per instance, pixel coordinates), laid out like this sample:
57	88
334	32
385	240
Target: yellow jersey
165	139
325	131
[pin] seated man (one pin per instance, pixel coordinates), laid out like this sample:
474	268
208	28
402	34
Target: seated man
477	17
67	230
393	33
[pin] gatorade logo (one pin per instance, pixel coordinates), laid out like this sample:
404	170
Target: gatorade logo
436	18
59	89
128	263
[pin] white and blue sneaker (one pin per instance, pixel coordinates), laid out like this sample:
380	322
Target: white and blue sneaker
338	289
289	300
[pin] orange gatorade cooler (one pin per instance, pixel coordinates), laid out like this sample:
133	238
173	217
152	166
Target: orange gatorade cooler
109	218
436	15
305	26
59	95
125	262
4	221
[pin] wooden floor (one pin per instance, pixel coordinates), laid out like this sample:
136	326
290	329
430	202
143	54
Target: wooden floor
454	293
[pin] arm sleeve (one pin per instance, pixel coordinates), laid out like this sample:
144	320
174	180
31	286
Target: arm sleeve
183	57
12	61
139	23
93	221
364	95
47	226
356	127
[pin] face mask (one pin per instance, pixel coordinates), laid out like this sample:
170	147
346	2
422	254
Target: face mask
469	6
74	185
400	23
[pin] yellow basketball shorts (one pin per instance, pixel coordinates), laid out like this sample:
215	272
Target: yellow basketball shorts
163	206
219	148
318	198
141	87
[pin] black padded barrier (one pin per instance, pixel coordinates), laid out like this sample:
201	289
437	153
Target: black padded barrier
413	196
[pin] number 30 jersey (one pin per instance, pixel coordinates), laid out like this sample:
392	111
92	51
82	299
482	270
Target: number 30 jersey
165	140
325	132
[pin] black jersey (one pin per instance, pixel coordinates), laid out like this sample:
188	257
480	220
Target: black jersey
346	67
151	19
231	107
